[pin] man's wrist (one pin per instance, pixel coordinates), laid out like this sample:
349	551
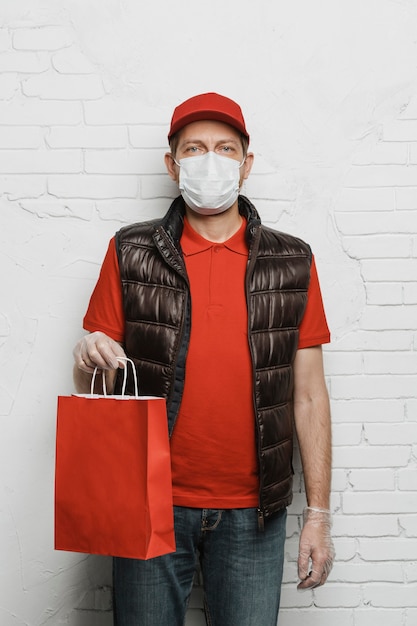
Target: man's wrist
318	509
317	515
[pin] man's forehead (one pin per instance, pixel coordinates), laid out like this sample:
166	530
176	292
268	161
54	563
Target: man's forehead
206	128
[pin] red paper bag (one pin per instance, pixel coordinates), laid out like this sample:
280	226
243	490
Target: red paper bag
113	490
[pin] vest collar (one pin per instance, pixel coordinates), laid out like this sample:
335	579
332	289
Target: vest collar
173	221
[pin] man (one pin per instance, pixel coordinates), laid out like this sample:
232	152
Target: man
224	318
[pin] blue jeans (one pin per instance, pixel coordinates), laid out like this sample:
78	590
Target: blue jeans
241	568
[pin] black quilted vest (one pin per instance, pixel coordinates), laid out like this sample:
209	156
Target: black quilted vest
157	309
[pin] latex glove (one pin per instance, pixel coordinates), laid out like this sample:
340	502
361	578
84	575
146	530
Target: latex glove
316	551
97	350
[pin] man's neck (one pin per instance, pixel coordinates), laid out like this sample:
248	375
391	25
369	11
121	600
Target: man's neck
217	228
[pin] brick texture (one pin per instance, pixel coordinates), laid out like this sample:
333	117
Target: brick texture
330	97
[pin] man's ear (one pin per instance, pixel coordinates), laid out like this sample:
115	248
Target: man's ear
247	166
172	167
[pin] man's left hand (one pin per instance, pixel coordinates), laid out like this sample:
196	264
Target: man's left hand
316	552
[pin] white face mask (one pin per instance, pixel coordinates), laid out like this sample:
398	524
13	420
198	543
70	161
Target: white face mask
209	183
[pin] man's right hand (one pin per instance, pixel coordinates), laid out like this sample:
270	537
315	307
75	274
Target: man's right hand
96	350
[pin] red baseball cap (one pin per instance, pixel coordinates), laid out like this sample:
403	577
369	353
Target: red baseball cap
208	106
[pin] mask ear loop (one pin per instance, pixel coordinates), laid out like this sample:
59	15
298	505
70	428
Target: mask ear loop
244	180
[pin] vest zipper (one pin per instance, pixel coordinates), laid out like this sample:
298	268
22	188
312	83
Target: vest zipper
251	263
181	354
261	521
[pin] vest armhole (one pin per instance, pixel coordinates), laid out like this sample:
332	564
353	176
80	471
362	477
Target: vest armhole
117	246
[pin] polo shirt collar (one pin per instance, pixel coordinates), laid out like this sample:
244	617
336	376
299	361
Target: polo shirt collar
193	243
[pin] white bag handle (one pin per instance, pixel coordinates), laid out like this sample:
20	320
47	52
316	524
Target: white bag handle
103	374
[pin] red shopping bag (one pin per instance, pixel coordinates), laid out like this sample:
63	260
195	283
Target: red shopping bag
113	490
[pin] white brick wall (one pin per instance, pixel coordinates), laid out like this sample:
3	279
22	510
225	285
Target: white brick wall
330	97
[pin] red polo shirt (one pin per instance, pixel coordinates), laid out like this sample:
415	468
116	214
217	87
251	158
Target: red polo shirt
213	448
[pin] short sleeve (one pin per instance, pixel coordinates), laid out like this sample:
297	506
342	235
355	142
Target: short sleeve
314	330
105	309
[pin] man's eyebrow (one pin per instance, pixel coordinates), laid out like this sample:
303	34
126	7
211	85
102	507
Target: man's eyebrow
187	141
229	140
224	140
